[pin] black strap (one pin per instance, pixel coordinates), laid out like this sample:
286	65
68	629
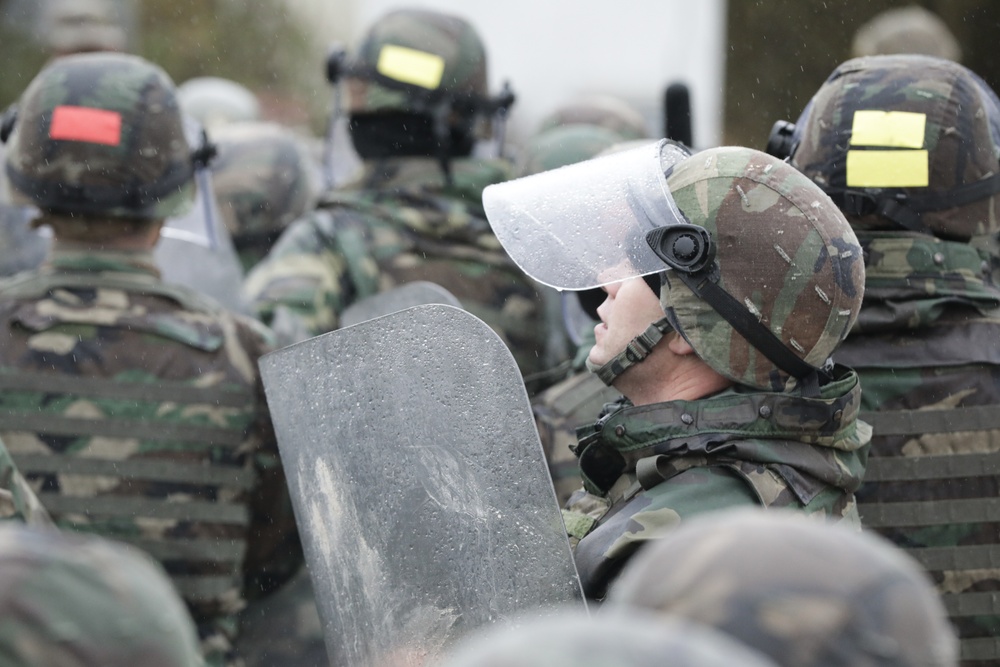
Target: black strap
758	335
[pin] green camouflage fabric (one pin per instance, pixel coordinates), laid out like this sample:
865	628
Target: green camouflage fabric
574	639
910	29
738	447
605	111
263	181
803	592
925	346
118	115
78	601
215	102
401	222
136	412
563	145
783	249
448	37
961	134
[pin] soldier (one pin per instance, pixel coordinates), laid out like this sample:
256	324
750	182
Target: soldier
263	180
802	592
134	407
573	639
417	104
907	146
723	358
910	29
78	601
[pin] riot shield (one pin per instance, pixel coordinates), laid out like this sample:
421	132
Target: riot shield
22	248
417	293
196	251
419	484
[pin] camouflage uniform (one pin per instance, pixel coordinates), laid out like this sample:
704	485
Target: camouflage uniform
406	218
135	407
802	592
78	601
573	639
780	435
263	181
925	343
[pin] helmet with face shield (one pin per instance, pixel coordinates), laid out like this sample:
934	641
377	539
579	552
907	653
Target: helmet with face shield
755	267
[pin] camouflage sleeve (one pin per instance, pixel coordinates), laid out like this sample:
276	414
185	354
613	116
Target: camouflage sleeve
601	555
274	553
305	282
17	501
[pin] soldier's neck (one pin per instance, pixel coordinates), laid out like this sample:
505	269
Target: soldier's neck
674	378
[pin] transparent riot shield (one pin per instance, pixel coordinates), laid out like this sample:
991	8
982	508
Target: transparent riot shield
417	293
196	251
22	248
420	488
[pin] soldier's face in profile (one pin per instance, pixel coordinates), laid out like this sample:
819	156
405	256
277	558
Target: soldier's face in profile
629	308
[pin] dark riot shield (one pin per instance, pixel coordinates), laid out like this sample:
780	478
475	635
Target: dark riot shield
419	484
417	293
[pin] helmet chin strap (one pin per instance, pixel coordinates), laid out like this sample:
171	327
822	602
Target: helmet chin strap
638	349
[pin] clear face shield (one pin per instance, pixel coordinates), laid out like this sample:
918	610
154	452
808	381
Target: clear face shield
586	225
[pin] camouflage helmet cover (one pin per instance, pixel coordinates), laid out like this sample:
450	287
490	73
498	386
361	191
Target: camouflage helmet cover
573	639
564	144
805	593
604	111
80	601
101	135
907	126
911	29
425	49
784	251
262	177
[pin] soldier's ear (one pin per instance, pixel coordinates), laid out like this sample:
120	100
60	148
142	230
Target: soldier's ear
678	344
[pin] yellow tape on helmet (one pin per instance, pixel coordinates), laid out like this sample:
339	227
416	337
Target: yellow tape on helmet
887	169
417	68
892	129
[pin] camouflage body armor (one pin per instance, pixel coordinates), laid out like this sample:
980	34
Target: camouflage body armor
925	343
133	409
684	458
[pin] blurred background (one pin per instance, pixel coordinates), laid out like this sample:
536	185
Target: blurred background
747	62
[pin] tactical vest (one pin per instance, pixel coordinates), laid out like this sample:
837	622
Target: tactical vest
157	463
932	393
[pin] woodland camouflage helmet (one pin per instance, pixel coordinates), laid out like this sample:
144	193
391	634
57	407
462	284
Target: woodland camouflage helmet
263	180
905	143
418	86
79	601
101	135
784	253
910	29
563	144
766	276
604	111
574	639
805	593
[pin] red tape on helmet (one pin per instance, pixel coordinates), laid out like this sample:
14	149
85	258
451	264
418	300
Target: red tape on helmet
95	126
